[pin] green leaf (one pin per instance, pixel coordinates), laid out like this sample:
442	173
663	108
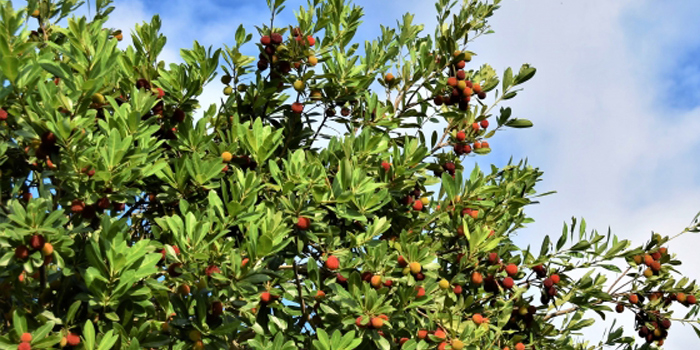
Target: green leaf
519	123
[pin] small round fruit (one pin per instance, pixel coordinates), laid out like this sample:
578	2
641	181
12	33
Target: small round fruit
37	242
332	263
440	334
417	205
512	270
422	334
228	90
444	284
477	278
217	308
648	273
389	77
386	166
98	98
299	85
461	136
421	292
358	322
265	40
183	289
377	322
484	124
265	297
303	223
415	267
634	298
457	289
620	308
24	346
47	250
457	344
72	339
508	283
198	345
478	319
519	346
21	252
402	261
297	107
376	281
452	81
425	200
226	156
226	79
313	60
555	278
691	299
320	295
194	335
26	337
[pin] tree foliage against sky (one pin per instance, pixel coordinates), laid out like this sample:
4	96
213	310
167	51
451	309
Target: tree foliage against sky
308	210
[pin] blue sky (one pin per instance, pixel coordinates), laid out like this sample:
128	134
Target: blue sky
616	102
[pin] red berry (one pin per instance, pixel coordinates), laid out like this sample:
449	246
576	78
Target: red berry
484	124
457	289
402	261
3	114
24	346
555	278
386	166
421	292
461	136
440	334
297	107
26	337
265	40
265	297
340	278
303	223
37	242
72	339
512	270
508	283
417	205
21	252
332	263
311	40
212	269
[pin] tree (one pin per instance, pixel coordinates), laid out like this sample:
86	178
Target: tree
126	223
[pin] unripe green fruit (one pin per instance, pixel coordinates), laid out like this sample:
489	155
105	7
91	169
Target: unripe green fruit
98	98
226	79
228	90
242	88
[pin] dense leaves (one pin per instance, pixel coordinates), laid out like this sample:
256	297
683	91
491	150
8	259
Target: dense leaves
128	223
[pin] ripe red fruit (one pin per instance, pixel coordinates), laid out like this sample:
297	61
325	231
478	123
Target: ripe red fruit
265	297
320	295
244	262
484	124
420	276
340	278
461	64
37	242
72	339
475	127
21	252
212	269
403	341
442	346
452	81
276	38
3	114
161	93
103	203
519	346
297	107
311	40
634	298
388	283
26	337
512	270
656	266
478	319
417	205
422	334
691	299
265	40
421	292
332	263
303	223
217	308
648	260
457	289
555	278
24	346
402	261
485	144
440	334
508	283
548	283
493	258
386	166
461	136
358	322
